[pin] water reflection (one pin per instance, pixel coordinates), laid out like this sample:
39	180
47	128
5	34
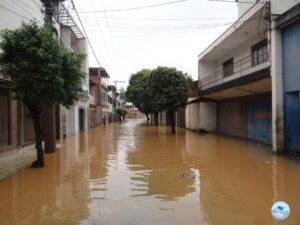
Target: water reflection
133	173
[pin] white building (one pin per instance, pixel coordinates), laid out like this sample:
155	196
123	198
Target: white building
75	119
240	78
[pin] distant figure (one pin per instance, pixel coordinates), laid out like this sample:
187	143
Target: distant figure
104	120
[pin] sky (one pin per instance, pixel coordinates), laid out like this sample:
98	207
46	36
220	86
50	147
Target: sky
126	41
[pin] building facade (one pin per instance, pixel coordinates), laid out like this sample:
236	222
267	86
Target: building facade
74	119
240	84
16	129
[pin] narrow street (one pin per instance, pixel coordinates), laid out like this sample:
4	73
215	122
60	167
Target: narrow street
136	174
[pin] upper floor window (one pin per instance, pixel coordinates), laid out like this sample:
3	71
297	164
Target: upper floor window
228	68
260	53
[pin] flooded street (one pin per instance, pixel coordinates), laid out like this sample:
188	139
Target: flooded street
135	174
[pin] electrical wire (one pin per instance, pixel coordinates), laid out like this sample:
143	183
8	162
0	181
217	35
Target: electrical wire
14	12
86	35
135	8
113	46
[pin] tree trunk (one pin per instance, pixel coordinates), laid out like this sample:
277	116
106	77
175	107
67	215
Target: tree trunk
35	114
156	118
148	119
172	120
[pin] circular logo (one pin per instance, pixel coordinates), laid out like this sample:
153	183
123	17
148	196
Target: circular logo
280	210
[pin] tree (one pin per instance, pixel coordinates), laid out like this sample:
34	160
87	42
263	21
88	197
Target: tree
121	112
138	92
170	89
41	73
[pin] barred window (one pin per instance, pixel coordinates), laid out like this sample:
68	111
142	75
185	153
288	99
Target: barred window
260	53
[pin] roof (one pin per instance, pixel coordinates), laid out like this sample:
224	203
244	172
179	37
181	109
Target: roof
112	88
94	80
66	19
103	73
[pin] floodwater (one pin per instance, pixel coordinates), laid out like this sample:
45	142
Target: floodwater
135	174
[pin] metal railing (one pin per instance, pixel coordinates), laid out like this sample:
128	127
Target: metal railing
240	68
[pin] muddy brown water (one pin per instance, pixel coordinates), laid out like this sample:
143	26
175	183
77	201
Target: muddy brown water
134	174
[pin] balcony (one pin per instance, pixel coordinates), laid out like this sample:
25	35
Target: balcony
244	77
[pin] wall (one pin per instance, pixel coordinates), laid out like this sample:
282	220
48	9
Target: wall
201	116
244	6
232	119
18	12
279	6
236	117
206	68
192	116
208	116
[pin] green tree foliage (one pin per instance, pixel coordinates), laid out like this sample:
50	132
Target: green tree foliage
138	92
121	112
170	90
161	89
41	72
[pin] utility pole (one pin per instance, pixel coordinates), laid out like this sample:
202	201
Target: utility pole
118	81
48	114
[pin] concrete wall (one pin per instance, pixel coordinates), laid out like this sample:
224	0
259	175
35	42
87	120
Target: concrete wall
244	6
192	116
279	6
208	116
201	116
277	90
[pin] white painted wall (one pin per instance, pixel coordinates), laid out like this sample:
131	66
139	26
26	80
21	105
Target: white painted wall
206	68
208	116
201	116
15	12
192	116
277	91
244	6
280	6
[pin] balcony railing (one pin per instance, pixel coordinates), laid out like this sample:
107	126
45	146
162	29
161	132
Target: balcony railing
241	68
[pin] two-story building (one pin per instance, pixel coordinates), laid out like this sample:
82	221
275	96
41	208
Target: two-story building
238	78
99	94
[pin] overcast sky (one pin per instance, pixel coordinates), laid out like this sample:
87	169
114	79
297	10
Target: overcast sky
168	35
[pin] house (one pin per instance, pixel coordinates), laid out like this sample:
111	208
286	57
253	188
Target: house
73	120
95	110
286	79
16	129
239	84
112	103
100	92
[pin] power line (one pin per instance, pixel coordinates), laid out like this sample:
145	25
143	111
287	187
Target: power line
235	1
164	19
14	12
86	34
135	8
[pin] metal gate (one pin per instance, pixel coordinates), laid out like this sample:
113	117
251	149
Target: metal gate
291	86
259	121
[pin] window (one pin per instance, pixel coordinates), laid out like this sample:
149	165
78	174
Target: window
228	68
4	117
260	53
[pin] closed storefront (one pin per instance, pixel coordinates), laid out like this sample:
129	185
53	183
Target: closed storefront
259	121
291	86
247	117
